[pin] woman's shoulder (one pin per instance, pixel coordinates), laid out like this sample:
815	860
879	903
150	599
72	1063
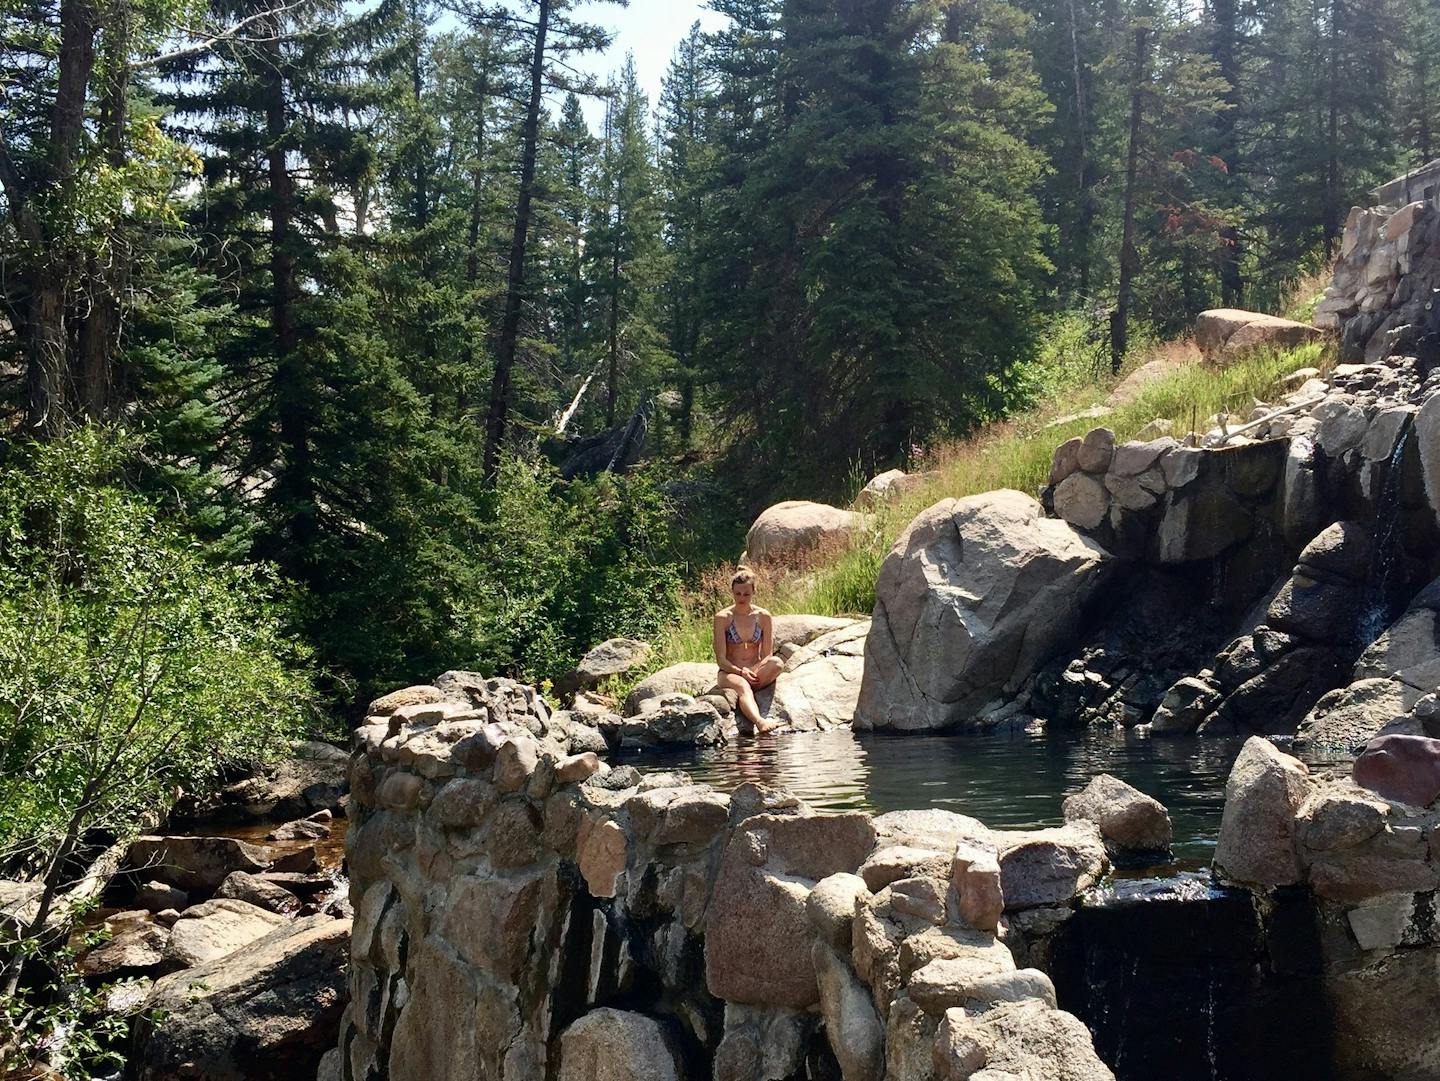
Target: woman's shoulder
724	613
762	613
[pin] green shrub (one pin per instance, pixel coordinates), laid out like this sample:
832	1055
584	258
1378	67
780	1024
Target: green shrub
131	666
561	566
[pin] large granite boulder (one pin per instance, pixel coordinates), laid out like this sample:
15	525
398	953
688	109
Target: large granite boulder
688	677
820	684
1404	768
1226	333
801	629
796	530
678	720
1265	790
1409	649
770	865
194	864
267	1013
1350	717
973	597
610	658
617	1045
888	486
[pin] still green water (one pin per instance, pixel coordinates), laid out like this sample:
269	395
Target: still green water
1006	781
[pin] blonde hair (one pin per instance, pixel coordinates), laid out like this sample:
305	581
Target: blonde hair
743	576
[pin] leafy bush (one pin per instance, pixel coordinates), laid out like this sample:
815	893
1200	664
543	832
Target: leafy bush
131	666
564	566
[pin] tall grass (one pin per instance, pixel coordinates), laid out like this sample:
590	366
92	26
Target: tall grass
1013	454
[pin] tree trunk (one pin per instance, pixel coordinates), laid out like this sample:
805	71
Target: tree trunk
472	235
47	406
1129	257
498	415
613	332
1330	212
1084	174
100	330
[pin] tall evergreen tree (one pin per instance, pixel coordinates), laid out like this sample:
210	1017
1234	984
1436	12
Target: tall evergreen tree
874	282
624	246
552	36
686	173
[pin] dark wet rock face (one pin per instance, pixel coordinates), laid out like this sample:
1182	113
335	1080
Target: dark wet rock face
1178	980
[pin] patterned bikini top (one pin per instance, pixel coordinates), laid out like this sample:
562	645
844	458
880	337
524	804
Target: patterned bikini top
732	632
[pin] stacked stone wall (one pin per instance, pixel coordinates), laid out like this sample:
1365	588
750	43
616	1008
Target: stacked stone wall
526	913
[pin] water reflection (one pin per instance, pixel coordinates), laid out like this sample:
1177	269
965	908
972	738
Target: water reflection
1009	782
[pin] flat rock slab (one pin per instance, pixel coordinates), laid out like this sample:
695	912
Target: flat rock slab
218	928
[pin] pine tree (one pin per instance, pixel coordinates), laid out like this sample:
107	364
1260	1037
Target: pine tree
573	186
873	283
553	37
624	249
686	172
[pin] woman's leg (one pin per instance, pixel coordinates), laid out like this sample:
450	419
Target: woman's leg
745	700
767	671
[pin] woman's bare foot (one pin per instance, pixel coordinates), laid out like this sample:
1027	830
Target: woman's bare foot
765	727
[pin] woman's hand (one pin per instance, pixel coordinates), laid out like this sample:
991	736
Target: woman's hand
749	675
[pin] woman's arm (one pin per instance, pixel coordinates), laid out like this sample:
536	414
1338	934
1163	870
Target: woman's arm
721	622
767	631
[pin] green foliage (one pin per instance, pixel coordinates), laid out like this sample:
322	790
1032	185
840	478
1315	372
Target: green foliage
68	1024
130	665
564	567
872	249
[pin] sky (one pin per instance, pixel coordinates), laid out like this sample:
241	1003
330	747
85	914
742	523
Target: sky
648	28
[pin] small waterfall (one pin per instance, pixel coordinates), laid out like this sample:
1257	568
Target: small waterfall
1180	979
1380	608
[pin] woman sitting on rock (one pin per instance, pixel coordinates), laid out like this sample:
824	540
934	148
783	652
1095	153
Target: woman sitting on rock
744	649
